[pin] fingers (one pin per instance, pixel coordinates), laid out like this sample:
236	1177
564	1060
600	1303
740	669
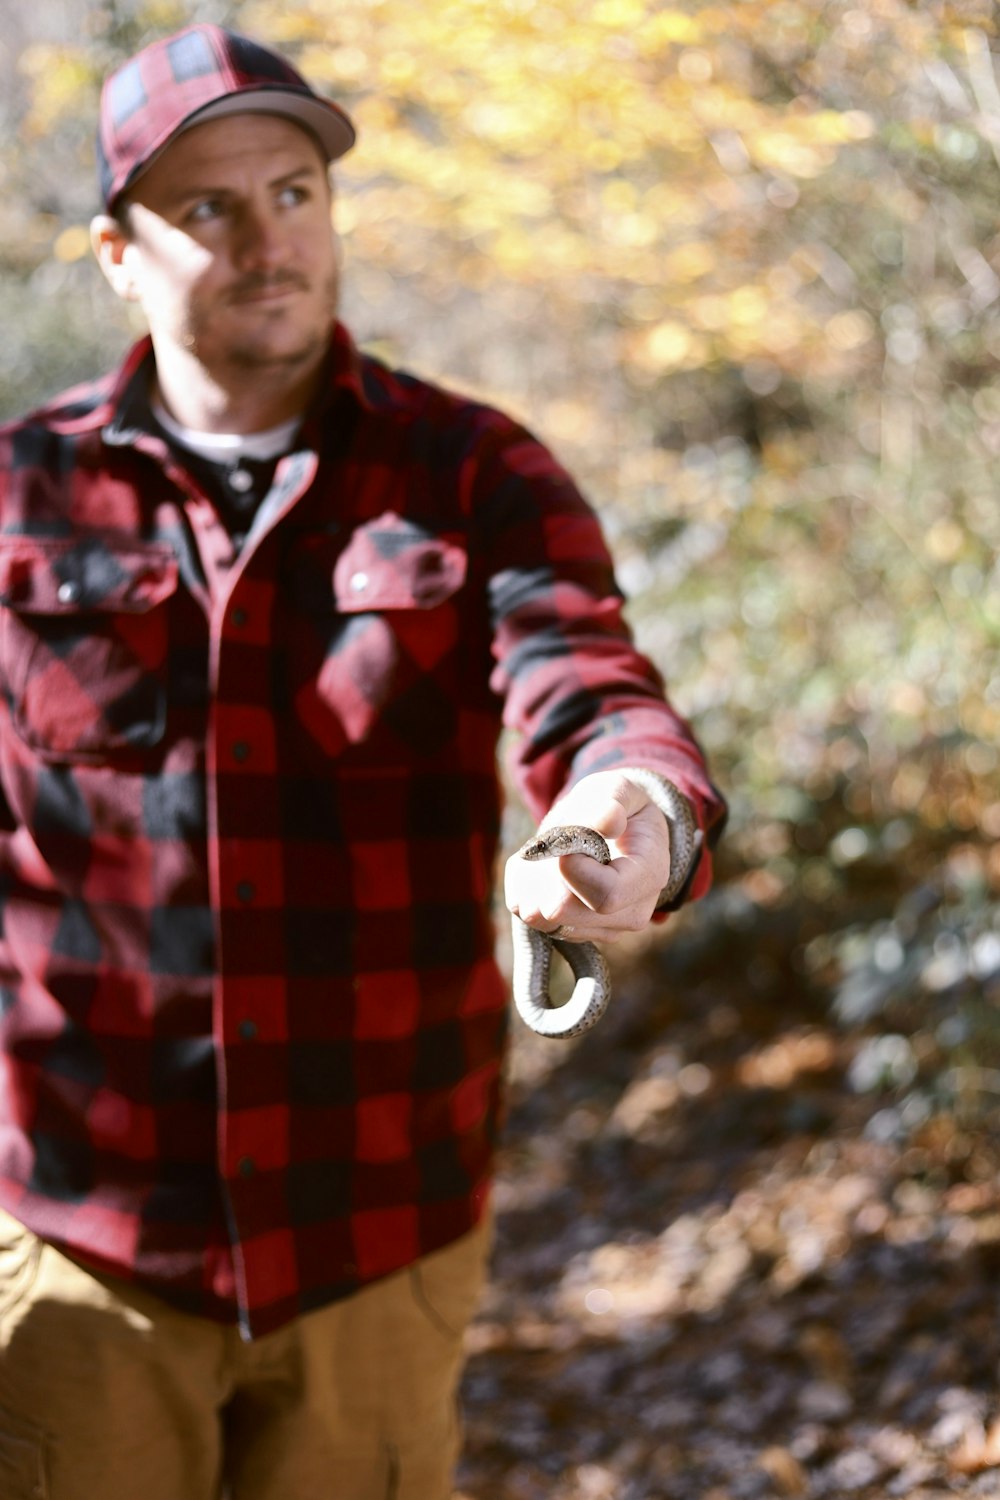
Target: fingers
615	898
605	800
589	901
602	801
640	858
593	902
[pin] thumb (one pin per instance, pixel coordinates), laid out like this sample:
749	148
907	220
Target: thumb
604	800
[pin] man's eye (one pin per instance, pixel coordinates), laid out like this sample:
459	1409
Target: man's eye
290	196
207	209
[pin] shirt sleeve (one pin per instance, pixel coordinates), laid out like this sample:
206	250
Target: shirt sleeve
578	695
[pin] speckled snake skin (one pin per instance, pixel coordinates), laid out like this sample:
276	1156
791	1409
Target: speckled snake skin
533	949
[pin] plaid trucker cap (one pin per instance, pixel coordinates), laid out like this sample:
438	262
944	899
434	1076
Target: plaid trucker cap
197	75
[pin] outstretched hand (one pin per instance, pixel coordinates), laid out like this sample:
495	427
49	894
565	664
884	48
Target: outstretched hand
588	901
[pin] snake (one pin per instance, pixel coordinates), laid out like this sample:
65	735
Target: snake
533	949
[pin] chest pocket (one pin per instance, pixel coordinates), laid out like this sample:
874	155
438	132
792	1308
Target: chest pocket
83	644
376	627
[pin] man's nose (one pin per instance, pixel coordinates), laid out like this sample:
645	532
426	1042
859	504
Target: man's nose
260	241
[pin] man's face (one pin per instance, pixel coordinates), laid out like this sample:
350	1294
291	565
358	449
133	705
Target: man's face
230	249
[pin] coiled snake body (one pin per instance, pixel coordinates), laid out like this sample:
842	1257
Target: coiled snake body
533	949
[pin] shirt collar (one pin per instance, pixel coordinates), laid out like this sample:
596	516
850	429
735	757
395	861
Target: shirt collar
126	416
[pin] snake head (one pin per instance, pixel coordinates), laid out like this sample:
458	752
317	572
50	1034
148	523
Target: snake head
567	838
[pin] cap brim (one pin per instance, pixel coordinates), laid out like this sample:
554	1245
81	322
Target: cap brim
322	118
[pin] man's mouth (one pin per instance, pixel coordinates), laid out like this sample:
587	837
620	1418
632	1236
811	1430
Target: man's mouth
271	289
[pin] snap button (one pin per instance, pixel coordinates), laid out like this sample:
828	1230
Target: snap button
246	1167
68	592
241	750
359	582
240	481
248	1031
246	890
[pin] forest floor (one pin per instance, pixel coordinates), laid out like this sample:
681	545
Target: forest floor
719	1274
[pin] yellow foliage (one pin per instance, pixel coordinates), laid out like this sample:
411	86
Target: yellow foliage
631	231
945	541
397	68
547	141
782	332
726	214
619	197
691	262
849	330
378	121
60	78
619	14
669	28
336	66
749	306
287	28
788	152
667	345
165	15
603	156
72	244
710	313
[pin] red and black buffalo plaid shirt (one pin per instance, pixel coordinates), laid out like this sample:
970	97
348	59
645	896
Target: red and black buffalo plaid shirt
252	1027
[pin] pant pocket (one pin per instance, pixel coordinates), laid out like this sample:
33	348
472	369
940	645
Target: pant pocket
447	1284
20	1254
23	1466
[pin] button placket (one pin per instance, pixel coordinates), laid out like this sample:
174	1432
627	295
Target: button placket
241	481
244	741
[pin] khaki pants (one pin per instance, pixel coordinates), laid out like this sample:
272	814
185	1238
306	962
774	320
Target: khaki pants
108	1394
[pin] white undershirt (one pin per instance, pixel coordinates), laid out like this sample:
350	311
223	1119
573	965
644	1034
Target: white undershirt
229	447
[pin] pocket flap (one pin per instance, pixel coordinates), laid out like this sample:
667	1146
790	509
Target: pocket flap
67	576
386	564
392	563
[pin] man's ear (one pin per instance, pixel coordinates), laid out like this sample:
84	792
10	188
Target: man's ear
110	244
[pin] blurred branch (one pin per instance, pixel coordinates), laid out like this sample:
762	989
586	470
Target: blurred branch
984	86
948	85
984	284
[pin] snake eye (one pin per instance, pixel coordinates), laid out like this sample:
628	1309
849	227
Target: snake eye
535	848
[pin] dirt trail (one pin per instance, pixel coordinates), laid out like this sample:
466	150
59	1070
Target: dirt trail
714	1280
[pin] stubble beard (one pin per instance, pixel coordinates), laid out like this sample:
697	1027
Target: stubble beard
250	356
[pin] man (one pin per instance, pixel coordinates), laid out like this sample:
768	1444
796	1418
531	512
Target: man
264	605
